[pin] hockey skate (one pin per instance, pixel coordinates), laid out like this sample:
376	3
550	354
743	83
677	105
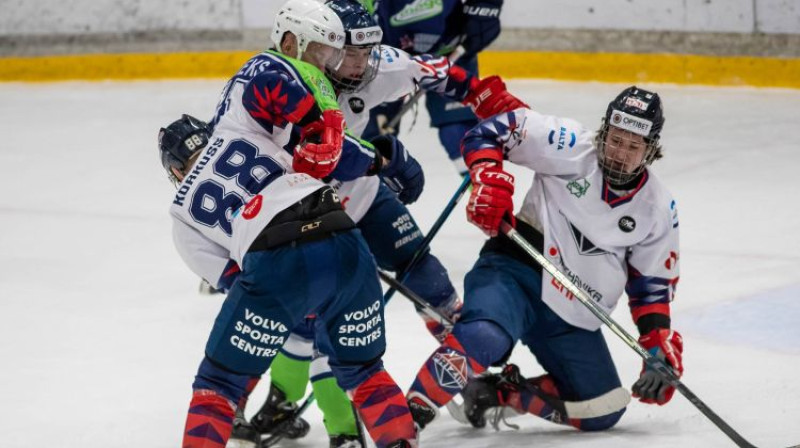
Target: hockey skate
278	418
347	441
243	434
488	395
422	410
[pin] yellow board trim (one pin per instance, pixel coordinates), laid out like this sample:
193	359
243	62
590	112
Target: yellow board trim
627	67
608	67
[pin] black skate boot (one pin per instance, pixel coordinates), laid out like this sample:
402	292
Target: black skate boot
243	435
422	410
347	441
490	391
278	417
400	444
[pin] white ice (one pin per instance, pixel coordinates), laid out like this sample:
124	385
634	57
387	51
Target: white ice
102	328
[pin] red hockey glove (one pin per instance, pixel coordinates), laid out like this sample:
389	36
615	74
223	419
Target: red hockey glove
667	345
490	97
491	198
321	145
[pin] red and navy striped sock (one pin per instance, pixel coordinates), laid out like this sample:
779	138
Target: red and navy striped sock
382	407
209	422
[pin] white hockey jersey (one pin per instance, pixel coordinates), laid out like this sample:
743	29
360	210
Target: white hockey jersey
244	176
607	243
398	75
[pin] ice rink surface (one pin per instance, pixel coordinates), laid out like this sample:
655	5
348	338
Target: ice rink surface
102	328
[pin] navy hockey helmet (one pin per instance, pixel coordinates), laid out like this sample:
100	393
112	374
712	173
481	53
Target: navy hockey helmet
179	142
362	46
639	114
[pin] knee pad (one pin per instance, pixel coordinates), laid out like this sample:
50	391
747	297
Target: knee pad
483	340
600	423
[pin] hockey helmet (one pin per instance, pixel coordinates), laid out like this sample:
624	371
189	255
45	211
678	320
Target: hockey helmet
179	142
362	46
310	21
632	121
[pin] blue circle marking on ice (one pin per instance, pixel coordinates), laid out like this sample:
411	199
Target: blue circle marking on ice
767	320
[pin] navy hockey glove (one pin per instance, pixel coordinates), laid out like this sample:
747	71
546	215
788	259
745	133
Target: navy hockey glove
401	172
482	25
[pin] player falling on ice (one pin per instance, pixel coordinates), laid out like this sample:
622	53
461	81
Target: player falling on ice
598	213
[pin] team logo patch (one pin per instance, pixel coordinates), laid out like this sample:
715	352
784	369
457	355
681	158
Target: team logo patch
584	245
578	187
356	105
451	369
627	224
253	207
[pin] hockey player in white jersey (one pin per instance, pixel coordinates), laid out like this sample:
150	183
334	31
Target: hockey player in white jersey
369	75
597	212
252	198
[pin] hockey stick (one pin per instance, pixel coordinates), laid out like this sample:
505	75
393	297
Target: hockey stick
605	404
389	128
426	242
419	301
651	361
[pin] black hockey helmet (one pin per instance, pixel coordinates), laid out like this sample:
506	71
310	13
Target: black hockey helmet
639	112
361	32
181	140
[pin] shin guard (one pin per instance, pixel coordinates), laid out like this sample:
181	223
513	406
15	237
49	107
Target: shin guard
209	422
382	407
445	373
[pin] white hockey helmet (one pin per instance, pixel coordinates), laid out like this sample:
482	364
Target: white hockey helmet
310	21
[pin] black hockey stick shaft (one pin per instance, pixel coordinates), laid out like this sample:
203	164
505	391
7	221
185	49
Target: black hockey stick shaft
653	362
426	242
412	296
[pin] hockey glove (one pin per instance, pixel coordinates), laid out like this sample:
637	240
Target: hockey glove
401	172
667	345
321	145
492	196
482	25
490	97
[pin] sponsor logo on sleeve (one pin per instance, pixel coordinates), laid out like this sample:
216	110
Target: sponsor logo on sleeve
562	138
674	208
416	11
253	207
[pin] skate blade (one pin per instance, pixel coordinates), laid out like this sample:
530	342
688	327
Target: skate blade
240	443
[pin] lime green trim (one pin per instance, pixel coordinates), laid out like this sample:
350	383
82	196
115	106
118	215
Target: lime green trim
607	67
290	376
335	406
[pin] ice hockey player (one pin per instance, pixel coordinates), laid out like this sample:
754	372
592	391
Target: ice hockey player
252	196
369	75
439	27
599	214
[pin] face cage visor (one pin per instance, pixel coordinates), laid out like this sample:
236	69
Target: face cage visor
621	159
322	56
347	79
